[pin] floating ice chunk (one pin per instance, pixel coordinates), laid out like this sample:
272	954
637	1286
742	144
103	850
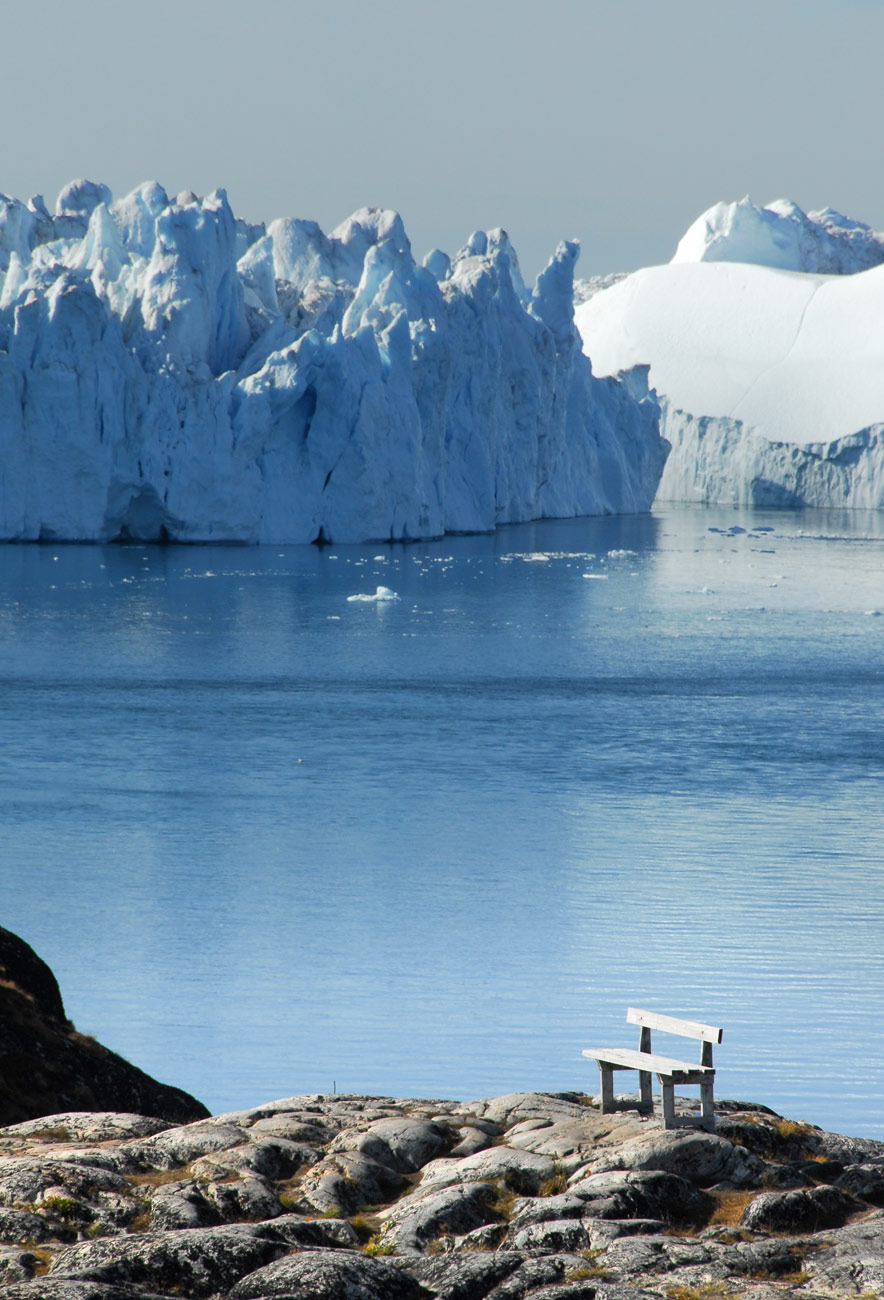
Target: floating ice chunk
599	577
380	595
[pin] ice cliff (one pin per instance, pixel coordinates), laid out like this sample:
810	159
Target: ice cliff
169	371
765	348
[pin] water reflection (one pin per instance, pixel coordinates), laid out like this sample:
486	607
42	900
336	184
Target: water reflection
269	838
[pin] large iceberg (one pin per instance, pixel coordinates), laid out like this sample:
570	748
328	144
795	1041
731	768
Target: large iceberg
763	337
169	371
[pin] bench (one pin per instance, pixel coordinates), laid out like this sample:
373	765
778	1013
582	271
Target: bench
668	1071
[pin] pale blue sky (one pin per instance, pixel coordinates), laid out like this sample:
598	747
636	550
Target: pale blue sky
613	121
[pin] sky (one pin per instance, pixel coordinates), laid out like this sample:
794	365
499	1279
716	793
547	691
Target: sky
616	122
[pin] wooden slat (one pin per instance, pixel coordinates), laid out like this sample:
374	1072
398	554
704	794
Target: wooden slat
672	1025
625	1058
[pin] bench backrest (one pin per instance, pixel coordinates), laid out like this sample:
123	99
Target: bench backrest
648	1020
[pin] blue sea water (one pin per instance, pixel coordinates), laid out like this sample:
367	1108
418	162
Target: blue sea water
273	840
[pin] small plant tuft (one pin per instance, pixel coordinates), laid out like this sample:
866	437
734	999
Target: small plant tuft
377	1246
554	1185
709	1291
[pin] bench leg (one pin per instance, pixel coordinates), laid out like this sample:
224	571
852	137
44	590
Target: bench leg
644	1085
668	1090
707	1106
607	1088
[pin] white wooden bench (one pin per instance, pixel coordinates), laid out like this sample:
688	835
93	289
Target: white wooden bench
668	1071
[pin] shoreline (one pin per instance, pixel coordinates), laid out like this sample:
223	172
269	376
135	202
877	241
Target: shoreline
332	1196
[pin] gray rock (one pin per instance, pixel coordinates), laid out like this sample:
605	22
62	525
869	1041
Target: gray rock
23	1225
578	1290
487	1237
702	1158
866	1182
603	1231
180	1205
635	1256
298	1231
545	1209
274	1158
848	1150
514	1107
532	1274
349	1180
520	1171
850	1261
84	1126
177	1147
329	1275
413	1222
195	1263
403	1144
806	1210
16	1265
774	1257
643	1195
564	1139
66	1289
776	1177
548	1237
308	1129
463	1276
26	1180
251	1199
471	1141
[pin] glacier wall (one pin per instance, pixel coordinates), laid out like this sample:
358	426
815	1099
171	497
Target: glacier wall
170	372
717	460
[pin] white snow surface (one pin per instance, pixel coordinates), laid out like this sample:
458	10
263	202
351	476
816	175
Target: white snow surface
168	371
771	380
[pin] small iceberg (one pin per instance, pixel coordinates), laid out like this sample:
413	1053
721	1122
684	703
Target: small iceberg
381	594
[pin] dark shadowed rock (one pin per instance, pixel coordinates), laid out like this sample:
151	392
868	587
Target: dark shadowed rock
552	1235
416	1220
805	1210
46	1288
866	1182
195	1263
467	1276
46	1067
20	965
643	1195
534	1276
329	1275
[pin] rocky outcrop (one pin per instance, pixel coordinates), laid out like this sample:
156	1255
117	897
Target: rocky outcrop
531	1195
46	1067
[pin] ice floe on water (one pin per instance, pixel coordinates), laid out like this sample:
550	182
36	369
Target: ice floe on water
380	596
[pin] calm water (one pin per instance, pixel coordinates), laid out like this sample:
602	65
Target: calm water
275	841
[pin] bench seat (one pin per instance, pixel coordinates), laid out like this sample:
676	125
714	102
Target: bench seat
625	1058
668	1069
